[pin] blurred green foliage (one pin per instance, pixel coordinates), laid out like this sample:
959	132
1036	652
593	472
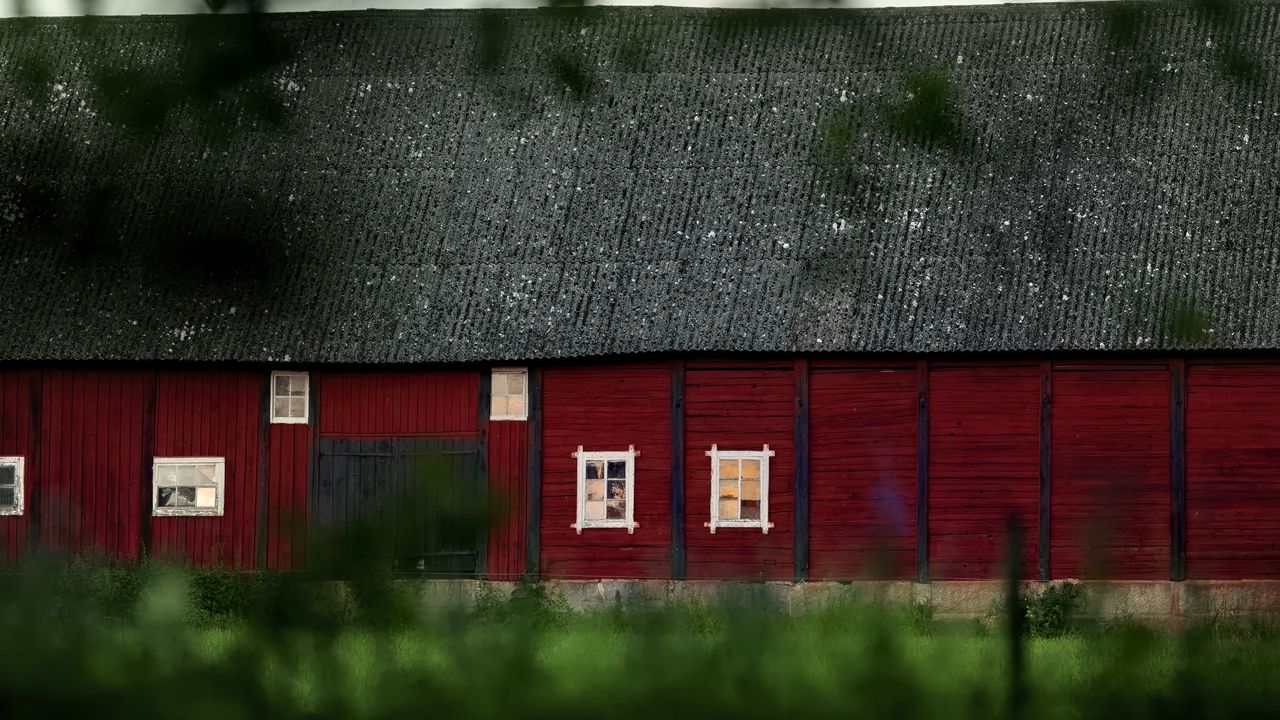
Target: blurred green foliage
97	639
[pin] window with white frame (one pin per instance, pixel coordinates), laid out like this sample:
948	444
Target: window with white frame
509	394
188	486
289	395
606	490
10	486
740	488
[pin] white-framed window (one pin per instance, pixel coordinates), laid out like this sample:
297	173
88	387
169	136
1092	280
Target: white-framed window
509	394
290	392
606	489
188	486
11	485
740	488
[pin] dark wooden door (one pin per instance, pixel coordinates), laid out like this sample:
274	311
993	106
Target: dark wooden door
405	504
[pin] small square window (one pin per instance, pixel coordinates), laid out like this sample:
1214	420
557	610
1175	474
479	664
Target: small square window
11	480
188	486
606	490
509	394
740	488
290	392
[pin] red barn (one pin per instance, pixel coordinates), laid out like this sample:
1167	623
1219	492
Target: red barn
672	293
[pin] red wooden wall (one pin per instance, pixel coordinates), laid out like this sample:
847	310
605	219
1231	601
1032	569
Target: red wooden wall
1233	471
16	440
398	403
984	467
94	464
508	463
739	406
212	414
606	407
1110	493
288	462
863	458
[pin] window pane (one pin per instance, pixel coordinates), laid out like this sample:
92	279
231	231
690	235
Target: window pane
617	502
729	489
281	407
186	496
167	475
728	509
595	490
206	497
729	469
750	468
595	470
595	510
616	509
166	496
750	489
515	405
617	469
499	385
298	407
208	474
515	384
8	475
187	474
498	406
8	496
750	509
282	386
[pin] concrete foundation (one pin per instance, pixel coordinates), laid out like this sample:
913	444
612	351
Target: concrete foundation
1155	600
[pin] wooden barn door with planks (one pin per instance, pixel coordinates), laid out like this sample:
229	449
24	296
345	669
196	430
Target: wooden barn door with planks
405	504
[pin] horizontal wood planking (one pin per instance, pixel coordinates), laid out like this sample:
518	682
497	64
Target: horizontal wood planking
863	465
508	498
16	439
606	407
984	467
289	456
1110	499
742	408
93	470
398	403
211	414
1233	472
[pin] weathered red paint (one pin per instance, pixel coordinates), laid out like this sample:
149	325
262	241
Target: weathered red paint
16	440
863	454
201	414
398	403
508	463
94	470
1233	472
1110	495
739	407
606	407
288	462
984	467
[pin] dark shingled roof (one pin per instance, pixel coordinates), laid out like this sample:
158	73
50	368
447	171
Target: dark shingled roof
656	180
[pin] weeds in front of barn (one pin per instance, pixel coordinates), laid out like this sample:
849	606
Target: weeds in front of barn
155	641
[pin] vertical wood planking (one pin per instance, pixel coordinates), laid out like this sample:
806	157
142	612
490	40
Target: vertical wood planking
678	546
399	403
1046	467
19	414
740	406
1178	471
984	466
800	453
262	530
606	407
1232	466
533	526
483	389
1110	465
863	471
922	471
508	473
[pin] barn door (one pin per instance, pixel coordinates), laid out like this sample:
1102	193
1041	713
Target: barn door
405	504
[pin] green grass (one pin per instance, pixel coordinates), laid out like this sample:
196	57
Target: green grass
154	643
